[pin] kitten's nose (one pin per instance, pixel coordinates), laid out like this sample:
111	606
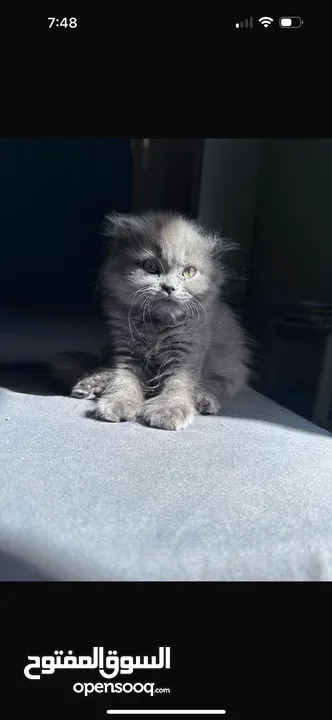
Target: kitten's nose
168	288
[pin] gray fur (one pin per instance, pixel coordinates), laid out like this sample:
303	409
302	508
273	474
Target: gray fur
171	353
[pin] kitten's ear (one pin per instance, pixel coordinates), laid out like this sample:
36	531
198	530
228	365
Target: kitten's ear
222	246
119	225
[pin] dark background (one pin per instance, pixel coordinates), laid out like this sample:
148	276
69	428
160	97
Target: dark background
54	194
243	647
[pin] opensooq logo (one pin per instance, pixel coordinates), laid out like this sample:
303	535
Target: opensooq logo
123	665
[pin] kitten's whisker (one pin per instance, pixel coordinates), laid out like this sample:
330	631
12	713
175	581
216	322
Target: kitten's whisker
144	308
137	296
198	316
149	311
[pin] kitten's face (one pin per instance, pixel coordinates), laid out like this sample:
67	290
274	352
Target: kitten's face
161	259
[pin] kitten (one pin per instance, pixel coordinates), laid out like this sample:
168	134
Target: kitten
175	349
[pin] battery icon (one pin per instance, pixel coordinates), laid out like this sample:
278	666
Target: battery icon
290	22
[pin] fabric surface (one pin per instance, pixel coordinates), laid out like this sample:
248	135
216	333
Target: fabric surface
246	495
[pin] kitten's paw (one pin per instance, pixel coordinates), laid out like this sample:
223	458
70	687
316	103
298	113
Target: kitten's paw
112	408
167	417
89	387
206	403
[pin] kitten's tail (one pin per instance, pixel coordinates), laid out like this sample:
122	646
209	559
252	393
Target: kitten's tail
67	368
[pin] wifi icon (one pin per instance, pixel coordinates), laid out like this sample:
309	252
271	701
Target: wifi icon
265	21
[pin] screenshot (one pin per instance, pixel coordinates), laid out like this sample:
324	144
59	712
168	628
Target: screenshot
165	361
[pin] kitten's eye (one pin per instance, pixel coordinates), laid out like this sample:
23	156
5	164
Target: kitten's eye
189	272
150	267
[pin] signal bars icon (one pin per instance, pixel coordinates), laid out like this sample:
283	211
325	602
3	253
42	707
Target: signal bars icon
248	23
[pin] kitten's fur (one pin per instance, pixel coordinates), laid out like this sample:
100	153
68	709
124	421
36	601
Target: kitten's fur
172	353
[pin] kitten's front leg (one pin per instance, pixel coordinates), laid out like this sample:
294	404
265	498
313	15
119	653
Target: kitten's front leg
173	408
91	385
207	402
122	399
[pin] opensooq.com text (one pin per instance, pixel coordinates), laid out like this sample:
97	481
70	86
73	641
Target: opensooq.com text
148	688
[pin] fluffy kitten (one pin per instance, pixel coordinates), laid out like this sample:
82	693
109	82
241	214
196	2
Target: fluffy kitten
175	349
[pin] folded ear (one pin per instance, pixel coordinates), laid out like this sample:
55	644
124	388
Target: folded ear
227	245
119	225
219	244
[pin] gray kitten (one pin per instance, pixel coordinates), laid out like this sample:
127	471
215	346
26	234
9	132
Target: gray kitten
175	349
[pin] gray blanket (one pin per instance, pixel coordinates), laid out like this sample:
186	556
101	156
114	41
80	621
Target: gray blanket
246	495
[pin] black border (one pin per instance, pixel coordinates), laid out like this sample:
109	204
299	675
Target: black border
255	649
173	76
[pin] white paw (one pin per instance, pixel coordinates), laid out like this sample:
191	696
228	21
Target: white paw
114	409
174	417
